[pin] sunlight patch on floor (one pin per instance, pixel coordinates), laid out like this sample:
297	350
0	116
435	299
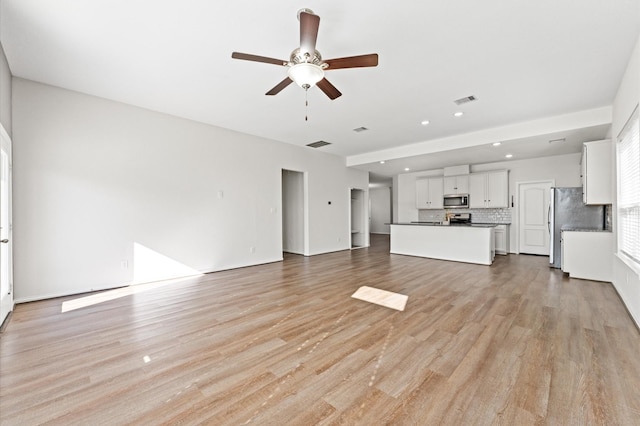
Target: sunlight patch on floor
384	298
105	296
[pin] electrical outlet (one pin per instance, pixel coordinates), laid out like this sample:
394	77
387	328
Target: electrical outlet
252	249
124	264
339	239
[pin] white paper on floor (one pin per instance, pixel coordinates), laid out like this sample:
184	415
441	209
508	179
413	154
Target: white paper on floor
384	298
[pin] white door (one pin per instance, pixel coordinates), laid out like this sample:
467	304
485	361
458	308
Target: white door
6	275
533	209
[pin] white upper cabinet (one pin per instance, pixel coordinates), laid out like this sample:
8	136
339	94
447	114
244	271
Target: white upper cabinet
429	193
498	189
596	172
489	189
422	193
456	184
436	193
477	190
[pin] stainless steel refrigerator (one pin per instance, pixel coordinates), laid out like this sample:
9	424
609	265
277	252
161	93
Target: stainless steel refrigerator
567	211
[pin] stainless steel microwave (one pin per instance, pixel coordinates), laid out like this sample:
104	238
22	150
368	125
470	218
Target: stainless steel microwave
456	201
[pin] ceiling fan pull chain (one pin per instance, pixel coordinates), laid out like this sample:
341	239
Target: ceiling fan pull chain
306	104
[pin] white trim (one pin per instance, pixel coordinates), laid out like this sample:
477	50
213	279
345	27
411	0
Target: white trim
7	143
9	303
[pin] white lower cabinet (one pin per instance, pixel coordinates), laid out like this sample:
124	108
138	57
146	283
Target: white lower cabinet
588	255
501	233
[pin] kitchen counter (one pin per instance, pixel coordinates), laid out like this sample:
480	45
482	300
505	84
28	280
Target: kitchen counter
587	254
460	243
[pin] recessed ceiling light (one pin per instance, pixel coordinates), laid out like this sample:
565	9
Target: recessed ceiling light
406	169
459	114
497	143
424	122
509	155
382	162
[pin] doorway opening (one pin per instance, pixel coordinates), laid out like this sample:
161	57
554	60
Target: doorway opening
293	212
357	218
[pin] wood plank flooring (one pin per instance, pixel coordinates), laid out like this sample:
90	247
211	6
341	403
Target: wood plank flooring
516	343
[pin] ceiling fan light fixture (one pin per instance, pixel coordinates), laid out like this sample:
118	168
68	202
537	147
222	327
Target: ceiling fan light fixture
306	75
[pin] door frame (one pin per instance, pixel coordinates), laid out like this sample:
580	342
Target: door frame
304	204
516	219
7	305
364	219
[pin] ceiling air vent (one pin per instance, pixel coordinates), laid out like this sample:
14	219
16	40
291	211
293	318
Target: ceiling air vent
465	100
318	144
360	129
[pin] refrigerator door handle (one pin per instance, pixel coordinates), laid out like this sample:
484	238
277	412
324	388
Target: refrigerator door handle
551	225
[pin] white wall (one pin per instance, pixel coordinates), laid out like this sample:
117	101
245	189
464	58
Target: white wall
625	279
5	93
565	169
380	203
94	178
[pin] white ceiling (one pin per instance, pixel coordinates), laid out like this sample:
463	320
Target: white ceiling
526	62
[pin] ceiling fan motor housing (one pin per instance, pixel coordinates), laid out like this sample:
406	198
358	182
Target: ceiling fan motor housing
297	57
304	10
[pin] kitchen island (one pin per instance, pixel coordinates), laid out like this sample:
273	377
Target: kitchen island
461	243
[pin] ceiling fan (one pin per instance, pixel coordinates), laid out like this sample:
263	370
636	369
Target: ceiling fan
306	66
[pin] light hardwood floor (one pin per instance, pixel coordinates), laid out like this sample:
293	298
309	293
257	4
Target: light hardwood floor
515	343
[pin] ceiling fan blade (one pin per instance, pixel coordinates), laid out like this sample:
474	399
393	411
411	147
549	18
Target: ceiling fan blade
309	24
370	60
284	83
328	89
256	58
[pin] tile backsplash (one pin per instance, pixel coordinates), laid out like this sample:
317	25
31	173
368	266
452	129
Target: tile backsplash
477	215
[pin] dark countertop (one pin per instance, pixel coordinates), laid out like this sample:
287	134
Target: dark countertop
455	225
571	229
